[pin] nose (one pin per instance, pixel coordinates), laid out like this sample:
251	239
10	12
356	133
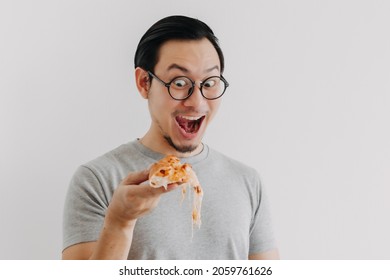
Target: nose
196	98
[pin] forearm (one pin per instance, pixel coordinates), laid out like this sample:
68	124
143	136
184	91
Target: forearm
114	242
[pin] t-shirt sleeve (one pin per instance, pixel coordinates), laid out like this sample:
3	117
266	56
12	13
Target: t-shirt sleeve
84	209
262	237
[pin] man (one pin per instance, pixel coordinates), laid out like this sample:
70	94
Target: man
112	213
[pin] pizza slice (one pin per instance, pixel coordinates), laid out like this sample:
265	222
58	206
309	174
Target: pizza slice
169	170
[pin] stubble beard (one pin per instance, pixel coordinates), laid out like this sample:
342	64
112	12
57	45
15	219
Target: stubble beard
180	149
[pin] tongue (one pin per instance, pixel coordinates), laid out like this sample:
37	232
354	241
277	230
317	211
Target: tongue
188	125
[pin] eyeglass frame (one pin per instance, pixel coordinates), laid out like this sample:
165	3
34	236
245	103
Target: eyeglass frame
191	90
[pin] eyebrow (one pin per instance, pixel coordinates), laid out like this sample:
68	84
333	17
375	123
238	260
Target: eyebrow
176	66
185	70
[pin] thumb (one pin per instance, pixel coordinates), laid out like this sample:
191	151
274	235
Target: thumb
135	178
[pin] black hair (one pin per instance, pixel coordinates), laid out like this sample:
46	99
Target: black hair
172	28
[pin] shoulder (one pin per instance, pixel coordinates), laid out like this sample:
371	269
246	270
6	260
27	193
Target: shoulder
116	156
111	167
122	159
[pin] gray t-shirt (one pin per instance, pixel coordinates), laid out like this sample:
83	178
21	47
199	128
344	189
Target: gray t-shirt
235	212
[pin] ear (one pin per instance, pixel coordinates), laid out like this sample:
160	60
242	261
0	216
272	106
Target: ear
142	80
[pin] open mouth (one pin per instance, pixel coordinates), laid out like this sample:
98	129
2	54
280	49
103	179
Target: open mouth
190	124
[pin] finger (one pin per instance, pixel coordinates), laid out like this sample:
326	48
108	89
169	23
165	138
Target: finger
161	190
171	187
135	178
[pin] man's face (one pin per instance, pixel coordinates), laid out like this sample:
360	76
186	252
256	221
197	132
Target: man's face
182	124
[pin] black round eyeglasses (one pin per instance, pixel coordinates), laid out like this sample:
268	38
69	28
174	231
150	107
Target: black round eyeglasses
182	87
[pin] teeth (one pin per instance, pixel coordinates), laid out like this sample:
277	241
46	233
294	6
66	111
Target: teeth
190	118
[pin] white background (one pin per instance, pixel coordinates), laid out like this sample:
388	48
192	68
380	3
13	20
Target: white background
308	107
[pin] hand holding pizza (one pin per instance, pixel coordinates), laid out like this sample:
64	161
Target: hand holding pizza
134	198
